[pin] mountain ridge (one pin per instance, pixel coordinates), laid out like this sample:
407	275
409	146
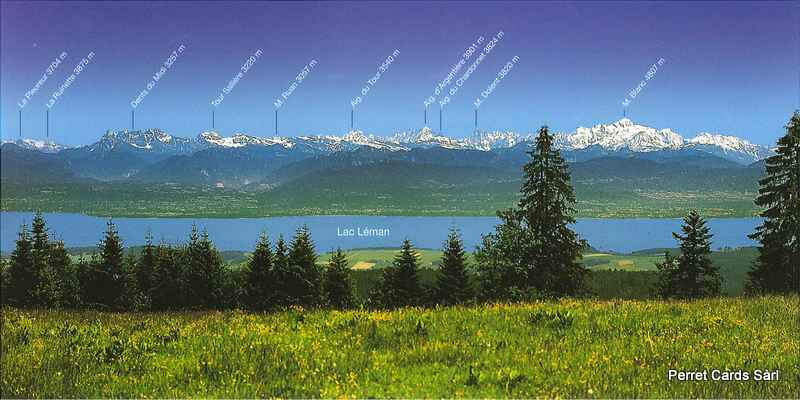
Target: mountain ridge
620	136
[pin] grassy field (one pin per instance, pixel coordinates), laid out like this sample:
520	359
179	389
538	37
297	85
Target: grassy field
130	200
571	348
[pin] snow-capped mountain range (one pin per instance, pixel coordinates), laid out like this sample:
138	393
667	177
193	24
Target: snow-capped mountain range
44	146
625	135
621	136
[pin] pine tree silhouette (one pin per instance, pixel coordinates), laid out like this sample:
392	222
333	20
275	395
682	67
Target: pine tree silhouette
777	268
534	247
691	274
453	285
259	275
338	285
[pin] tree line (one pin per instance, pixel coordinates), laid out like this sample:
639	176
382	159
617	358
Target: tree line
532	254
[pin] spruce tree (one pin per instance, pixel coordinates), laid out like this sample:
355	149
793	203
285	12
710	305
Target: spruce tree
131	298
61	265
22	276
338	284
169	286
777	268
145	269
691	274
281	257
110	279
47	292
259	275
452	282
205	272
285	277
302	256
399	285
85	274
534	247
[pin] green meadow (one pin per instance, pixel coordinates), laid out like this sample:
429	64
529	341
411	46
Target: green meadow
576	348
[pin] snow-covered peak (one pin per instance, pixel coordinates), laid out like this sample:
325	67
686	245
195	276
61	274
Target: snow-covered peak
624	122
209	136
42	145
426	137
355	136
621	135
724	141
358	137
239	139
748	152
142	139
494	140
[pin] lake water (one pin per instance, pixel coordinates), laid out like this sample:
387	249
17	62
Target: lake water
329	232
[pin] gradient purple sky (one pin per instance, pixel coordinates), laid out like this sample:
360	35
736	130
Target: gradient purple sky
731	68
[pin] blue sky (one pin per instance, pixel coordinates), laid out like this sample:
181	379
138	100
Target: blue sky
729	67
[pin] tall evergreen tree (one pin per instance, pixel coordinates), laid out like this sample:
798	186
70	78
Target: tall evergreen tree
145	269
302	255
281	256
169	287
85	274
452	282
286	277
61	265
777	269
109	270
47	292
131	298
259	275
691	274
534	248
399	285
204	272
338	284
22	276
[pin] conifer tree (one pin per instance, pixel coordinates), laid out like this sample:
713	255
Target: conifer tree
47	292
534	248
109	270
691	274
145	269
287	278
452	284
400	285
131	298
259	275
85	274
338	284
68	289
777	268
302	256
204	272
169	287
281	257
406	266
22	277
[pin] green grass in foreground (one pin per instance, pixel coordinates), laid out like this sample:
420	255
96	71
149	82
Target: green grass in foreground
571	348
